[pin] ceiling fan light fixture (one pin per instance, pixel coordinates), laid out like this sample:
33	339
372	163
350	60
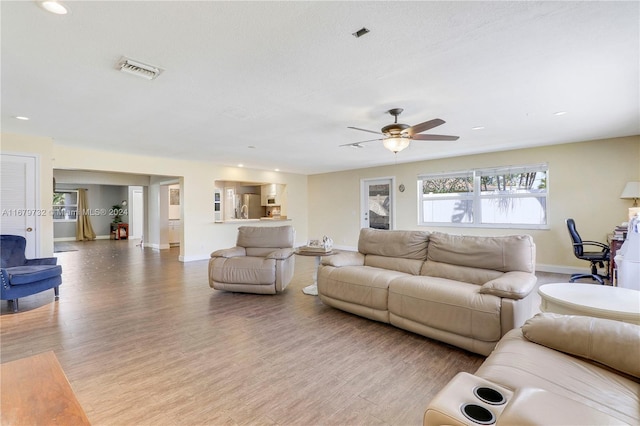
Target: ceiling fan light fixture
396	144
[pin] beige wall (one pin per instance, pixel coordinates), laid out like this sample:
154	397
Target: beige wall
201	235
585	182
42	148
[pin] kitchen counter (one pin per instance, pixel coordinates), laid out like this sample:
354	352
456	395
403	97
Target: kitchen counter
262	219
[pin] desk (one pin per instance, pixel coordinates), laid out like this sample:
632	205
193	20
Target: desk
312	289
614	246
35	391
593	300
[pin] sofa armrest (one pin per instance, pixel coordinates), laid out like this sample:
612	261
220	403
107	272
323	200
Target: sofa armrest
512	285
230	252
351	258
280	254
532	406
42	261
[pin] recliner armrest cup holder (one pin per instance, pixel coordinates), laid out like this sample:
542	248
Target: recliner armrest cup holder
479	414
470	400
489	395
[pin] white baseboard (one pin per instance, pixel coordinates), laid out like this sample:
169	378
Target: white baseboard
193	258
561	269
65	239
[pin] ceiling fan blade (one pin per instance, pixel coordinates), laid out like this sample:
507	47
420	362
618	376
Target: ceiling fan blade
364	130
357	144
419	128
435	138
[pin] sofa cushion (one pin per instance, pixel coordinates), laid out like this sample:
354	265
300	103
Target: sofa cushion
408	266
464	274
612	343
446	305
361	285
504	253
243	270
266	236
19	275
404	244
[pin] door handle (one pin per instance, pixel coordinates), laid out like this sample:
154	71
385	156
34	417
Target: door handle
29	229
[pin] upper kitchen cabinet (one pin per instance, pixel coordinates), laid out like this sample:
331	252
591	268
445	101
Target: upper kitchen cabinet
272	194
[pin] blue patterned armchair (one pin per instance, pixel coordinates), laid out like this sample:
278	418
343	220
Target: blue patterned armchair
23	277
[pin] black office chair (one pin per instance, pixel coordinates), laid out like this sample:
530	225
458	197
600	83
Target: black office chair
597	258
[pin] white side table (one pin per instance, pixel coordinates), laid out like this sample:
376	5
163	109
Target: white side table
312	289
602	301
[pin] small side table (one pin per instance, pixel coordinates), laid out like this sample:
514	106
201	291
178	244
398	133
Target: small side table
120	231
312	289
593	300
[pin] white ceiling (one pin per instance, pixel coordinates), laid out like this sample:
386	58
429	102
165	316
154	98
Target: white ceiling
275	84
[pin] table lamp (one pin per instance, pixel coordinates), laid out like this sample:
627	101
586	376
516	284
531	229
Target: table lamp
632	191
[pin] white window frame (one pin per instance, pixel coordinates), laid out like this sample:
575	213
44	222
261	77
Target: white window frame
66	210
476	196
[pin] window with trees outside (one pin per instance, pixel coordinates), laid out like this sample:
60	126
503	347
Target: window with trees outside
513	197
65	206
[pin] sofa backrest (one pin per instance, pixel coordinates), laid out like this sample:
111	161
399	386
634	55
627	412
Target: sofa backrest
403	251
477	259
261	240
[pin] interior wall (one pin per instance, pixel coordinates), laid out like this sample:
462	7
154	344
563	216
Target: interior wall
101	199
197	179
585	182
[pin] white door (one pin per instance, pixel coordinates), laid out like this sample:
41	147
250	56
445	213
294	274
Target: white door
377	203
136	213
18	200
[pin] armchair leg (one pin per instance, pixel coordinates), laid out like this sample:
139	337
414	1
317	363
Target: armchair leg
56	292
14	304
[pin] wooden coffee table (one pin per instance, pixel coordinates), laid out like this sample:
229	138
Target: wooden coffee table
602	301
35	391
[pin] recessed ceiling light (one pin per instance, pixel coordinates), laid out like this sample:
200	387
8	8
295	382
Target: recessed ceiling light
21	117
478	128
240	165
54	7
276	170
560	113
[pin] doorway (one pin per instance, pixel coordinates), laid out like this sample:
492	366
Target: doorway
19	194
377	203
136	212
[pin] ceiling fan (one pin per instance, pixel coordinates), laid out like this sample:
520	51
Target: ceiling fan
398	136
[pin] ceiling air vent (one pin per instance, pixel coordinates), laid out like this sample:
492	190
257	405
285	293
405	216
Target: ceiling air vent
138	68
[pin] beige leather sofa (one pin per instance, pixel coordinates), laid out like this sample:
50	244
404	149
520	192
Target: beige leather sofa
555	370
463	290
262	261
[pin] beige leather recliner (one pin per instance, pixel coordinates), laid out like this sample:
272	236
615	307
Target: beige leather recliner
262	261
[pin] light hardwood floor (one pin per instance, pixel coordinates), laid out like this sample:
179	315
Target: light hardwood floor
144	340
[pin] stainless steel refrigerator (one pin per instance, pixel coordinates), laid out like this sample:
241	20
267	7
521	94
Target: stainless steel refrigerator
250	207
